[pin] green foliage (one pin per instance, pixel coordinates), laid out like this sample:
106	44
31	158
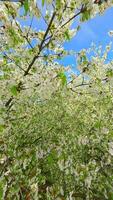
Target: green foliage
56	126
86	15
14	37
13	90
66	34
109	73
58	4
26	6
43	2
63	78
1	127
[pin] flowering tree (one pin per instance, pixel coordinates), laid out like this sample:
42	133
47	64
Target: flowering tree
56	127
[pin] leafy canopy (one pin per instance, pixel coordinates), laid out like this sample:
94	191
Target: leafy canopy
56	130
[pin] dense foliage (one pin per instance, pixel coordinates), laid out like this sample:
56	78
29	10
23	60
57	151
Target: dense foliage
56	127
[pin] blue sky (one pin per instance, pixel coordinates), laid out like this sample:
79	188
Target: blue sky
94	30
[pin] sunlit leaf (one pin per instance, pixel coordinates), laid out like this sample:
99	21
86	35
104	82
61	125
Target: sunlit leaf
63	78
43	2
13	90
26	6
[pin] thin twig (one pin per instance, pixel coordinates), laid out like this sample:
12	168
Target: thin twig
30	25
12	60
73	17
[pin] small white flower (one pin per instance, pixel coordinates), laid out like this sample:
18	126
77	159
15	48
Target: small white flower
7	173
111	148
110	33
108	47
34	187
88	181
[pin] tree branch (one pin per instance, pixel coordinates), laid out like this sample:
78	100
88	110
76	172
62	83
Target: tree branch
41	44
13	61
73	17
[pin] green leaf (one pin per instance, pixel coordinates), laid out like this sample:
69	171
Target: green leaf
14	37
58	4
97	124
43	2
26	6
1	127
50	160
66	34
63	78
1	189
78	28
86	15
109	73
13	90
83	60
